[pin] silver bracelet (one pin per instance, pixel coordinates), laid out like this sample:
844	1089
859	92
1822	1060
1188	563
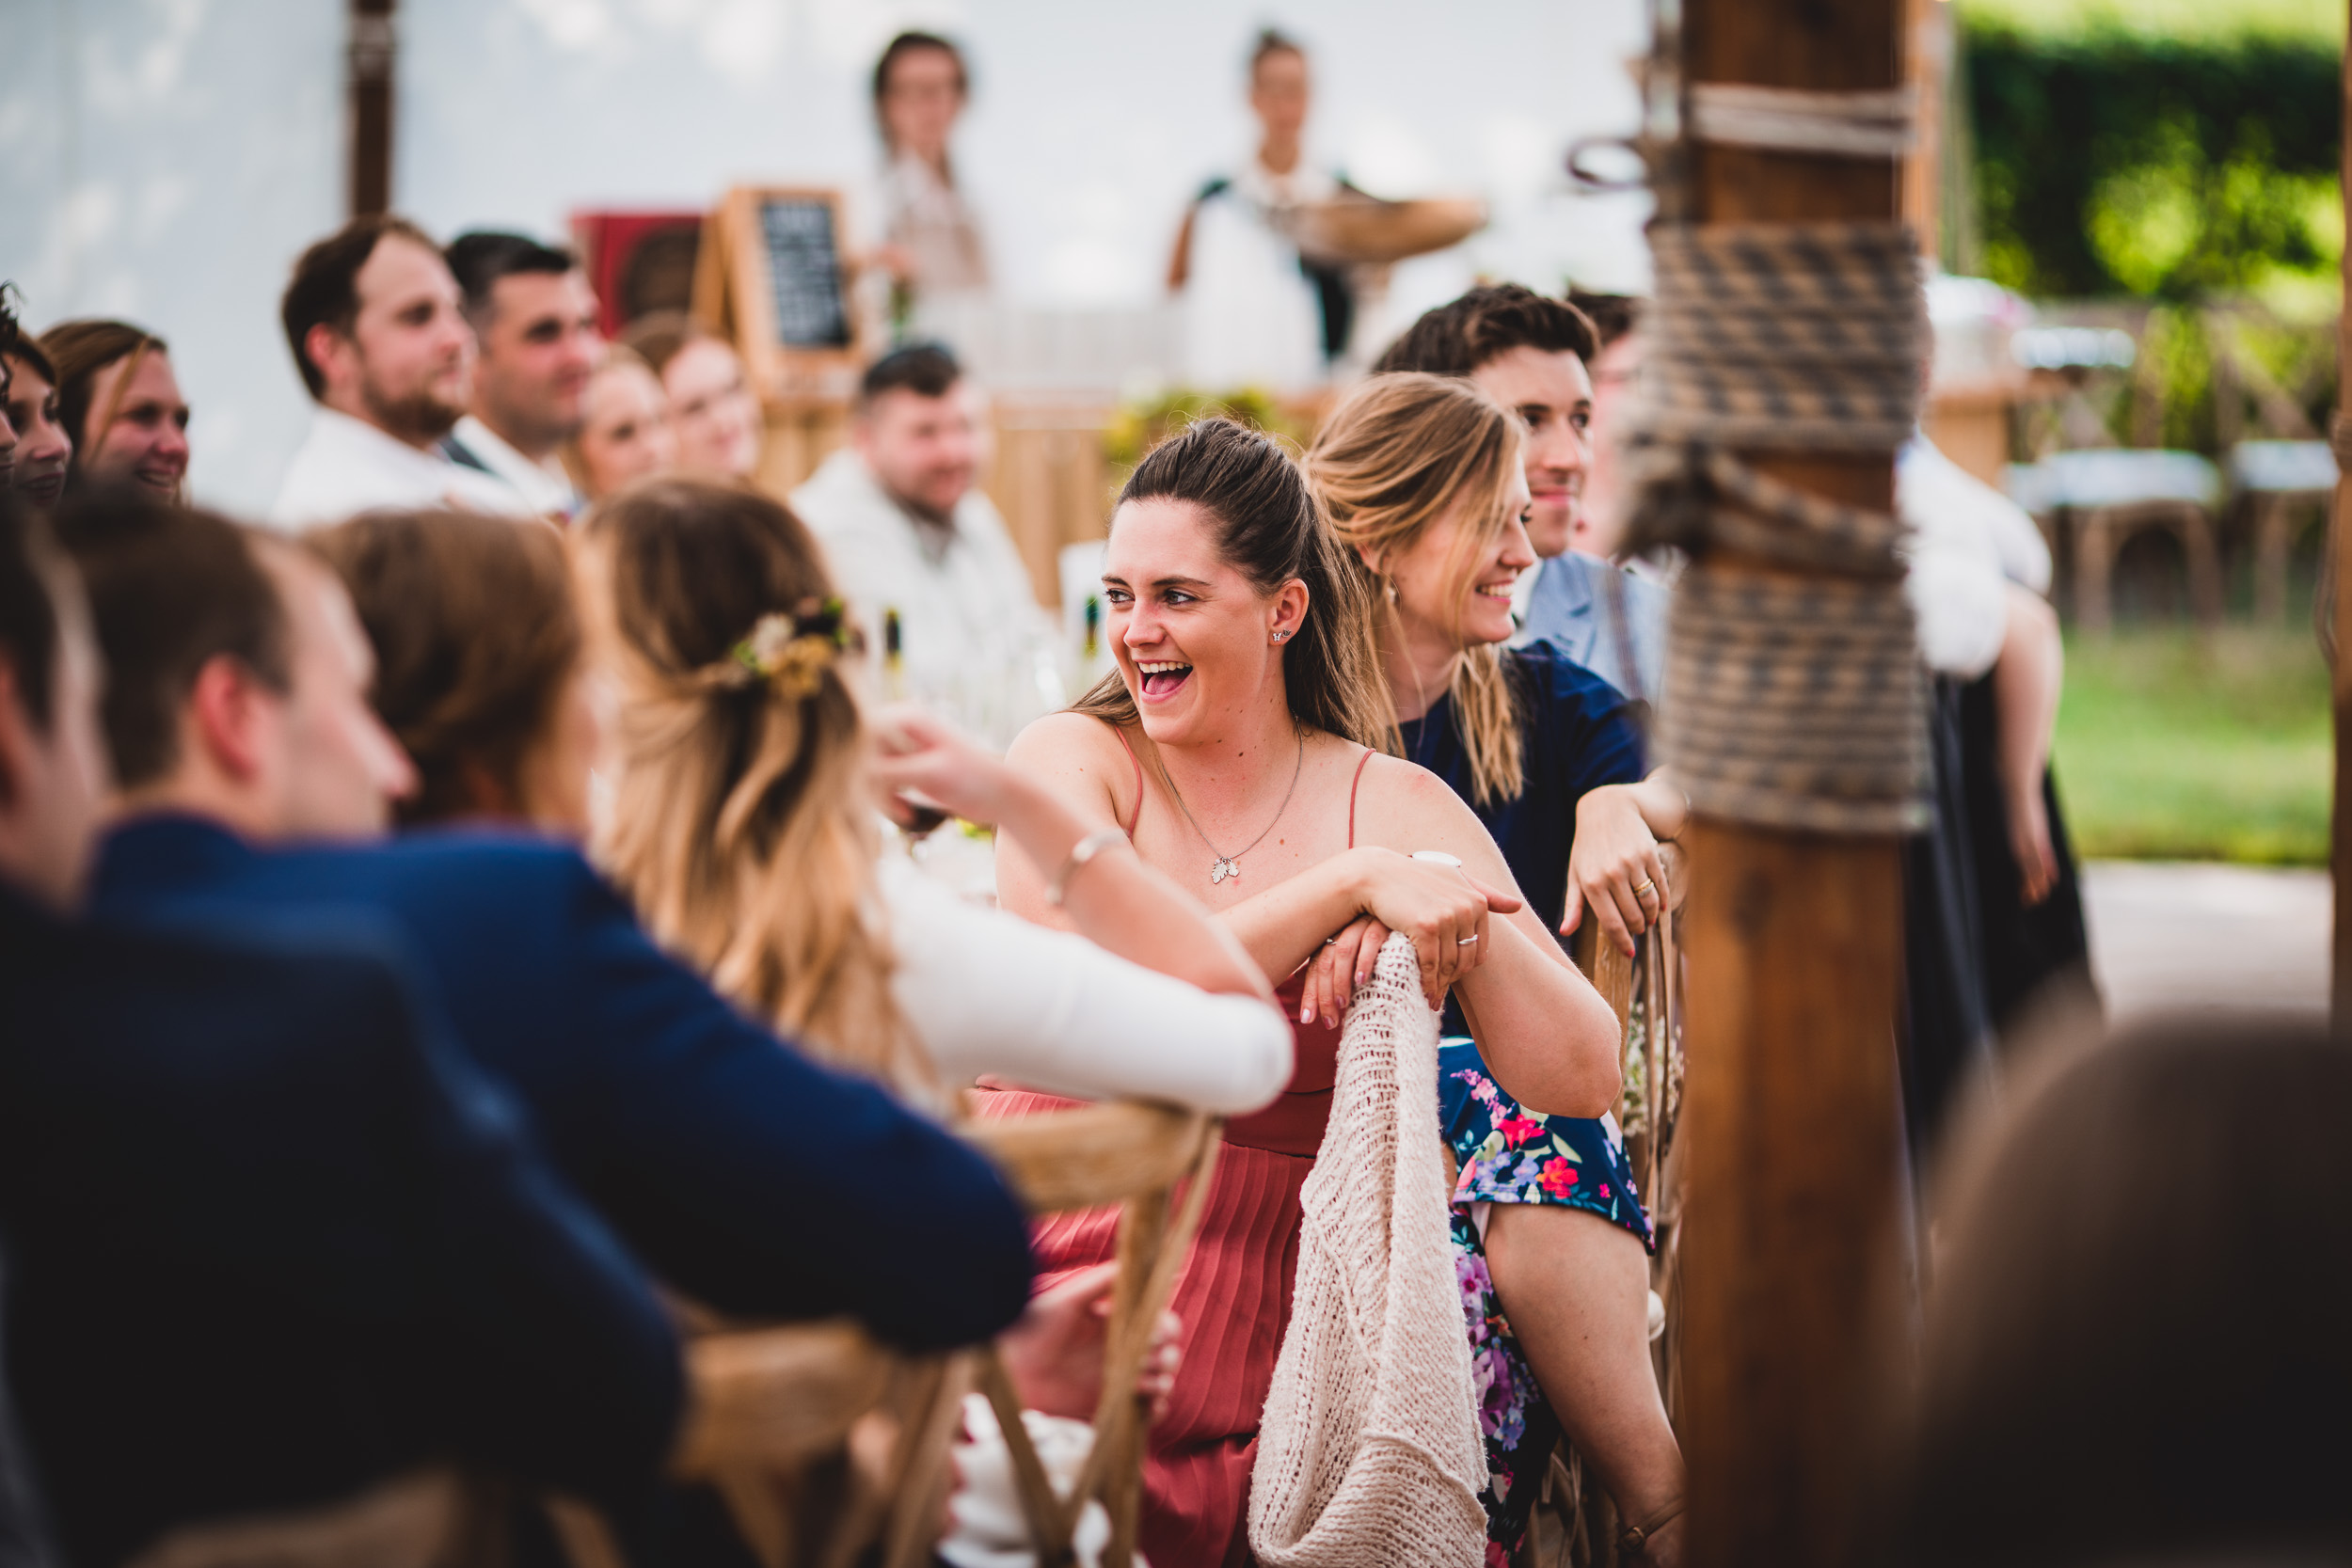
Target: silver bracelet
1081	852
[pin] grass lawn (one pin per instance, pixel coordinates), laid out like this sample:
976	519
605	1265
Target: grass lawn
2176	746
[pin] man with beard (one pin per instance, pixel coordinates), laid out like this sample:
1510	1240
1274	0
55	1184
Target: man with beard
916	546
375	322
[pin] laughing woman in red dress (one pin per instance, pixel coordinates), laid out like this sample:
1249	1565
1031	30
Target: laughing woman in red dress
1234	747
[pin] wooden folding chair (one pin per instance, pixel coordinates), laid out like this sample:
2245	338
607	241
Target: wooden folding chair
1135	1155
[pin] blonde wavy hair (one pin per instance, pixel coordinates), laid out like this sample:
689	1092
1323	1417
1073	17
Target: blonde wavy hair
1398	454
740	823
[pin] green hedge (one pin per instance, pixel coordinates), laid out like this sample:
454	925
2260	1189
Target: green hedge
2112	162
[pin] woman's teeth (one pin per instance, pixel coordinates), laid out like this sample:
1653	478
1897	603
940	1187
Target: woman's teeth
1161	676
1494	589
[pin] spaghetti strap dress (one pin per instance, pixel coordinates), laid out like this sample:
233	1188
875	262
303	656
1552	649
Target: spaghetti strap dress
1233	1296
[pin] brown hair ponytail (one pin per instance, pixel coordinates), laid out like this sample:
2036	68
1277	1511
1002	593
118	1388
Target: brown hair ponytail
1269	528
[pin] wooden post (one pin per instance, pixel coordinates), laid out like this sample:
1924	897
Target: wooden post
1791	1121
370	88
2340	522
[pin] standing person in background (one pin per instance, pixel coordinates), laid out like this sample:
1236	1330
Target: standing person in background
932	245
28	394
714	415
1528	354
119	404
914	540
535	320
1256	311
376	328
624	430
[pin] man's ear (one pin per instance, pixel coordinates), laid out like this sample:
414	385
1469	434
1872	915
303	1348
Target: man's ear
229	715
324	348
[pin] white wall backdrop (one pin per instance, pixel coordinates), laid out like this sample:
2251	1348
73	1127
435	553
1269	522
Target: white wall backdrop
165	158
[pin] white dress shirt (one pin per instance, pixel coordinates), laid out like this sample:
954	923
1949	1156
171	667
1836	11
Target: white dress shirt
973	643
544	488
346	467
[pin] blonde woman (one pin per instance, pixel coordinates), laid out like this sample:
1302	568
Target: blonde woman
625	432
743	824
1422	478
1236	747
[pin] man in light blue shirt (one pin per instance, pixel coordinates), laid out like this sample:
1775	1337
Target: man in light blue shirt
1529	354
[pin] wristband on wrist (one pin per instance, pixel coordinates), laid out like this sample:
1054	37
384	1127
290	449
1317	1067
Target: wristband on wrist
1081	852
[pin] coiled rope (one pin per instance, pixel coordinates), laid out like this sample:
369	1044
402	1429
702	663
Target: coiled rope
1794	697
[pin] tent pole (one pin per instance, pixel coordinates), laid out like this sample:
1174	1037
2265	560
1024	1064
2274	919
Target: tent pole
370	88
1794	1191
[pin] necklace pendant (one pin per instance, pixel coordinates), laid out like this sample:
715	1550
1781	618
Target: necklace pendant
1223	868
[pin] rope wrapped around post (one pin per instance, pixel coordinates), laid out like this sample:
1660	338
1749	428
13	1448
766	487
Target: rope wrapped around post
1794	697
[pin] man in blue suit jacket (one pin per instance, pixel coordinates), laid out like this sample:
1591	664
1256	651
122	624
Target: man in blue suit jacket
272	1240
745	1174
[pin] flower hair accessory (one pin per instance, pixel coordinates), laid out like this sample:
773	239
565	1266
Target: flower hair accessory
792	652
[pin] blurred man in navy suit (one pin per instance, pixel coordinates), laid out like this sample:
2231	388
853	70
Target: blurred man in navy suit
746	1174
272	1241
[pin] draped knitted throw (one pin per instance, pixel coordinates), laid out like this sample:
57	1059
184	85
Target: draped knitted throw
1369	1451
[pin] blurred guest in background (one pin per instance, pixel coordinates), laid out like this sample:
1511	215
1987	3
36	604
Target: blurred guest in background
479	667
714	414
1528	354
43	451
1257	313
1423	480
930	239
2154	1369
119	404
624	429
369	1269
534	322
738	1169
1600	523
376	328
915	544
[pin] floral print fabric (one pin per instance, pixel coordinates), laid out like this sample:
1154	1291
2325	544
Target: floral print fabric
1507	1156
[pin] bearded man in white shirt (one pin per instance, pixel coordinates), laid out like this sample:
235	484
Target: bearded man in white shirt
922	555
372	316
535	321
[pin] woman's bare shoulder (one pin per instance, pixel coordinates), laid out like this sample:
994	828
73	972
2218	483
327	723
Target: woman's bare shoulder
1075	749
1404	806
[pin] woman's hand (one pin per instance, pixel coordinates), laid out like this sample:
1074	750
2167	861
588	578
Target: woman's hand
1441	906
1344	964
1054	1350
1614	867
916	753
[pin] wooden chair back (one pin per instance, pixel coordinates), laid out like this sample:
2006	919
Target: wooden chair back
1134	1155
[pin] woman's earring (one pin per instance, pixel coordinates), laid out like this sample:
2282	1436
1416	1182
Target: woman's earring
1388	586
1279	635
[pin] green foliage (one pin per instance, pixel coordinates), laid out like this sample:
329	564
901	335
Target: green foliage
2177	745
1140	426
2111	161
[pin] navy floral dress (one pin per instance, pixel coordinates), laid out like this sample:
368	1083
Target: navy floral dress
1576	735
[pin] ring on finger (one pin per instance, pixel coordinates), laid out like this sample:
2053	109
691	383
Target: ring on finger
1645	889
1468	940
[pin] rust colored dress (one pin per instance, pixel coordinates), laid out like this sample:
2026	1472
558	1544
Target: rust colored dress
1235	1295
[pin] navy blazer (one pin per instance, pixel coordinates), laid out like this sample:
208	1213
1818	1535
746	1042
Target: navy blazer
745	1174
272	1238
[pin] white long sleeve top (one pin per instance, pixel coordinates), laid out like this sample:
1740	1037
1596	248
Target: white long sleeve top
988	992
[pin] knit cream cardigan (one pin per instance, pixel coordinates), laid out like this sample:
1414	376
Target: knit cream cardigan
1369	1451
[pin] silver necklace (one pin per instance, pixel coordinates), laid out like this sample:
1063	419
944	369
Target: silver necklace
1229	865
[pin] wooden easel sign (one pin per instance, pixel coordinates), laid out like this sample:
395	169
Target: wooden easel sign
774	276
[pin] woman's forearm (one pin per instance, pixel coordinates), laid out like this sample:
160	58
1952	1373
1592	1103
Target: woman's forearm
1546	1033
1285	925
1665	810
1125	906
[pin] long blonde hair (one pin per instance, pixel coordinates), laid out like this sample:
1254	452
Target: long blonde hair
1397	455
740	823
1269	528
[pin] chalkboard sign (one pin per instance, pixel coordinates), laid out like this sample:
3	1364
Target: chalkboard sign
805	272
772	277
